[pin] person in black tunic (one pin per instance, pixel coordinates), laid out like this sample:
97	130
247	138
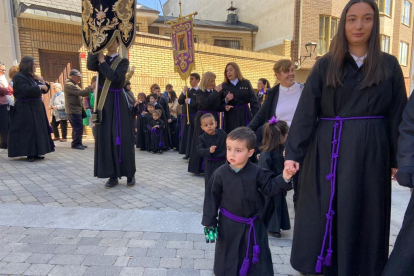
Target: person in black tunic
153	98
163	102
211	145
147	125
237	94
236	189
114	157
187	130
208	101
29	130
141	107
345	133
157	127
262	86
275	214
401	259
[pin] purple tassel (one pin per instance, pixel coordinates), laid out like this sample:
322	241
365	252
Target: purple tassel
50	129
328	258
202	166
160	144
318	268
118	141
245	267
256	253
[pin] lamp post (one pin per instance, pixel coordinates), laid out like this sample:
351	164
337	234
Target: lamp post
310	49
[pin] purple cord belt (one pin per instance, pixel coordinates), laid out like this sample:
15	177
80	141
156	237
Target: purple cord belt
159	135
117	120
212	160
336	144
256	249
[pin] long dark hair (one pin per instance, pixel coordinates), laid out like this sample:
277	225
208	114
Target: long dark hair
273	135
26	65
265	82
374	68
173	96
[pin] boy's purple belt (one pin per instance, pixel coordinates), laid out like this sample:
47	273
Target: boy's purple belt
336	144
256	249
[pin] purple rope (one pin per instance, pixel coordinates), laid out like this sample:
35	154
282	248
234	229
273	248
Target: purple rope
256	249
154	131
247	115
212	159
336	144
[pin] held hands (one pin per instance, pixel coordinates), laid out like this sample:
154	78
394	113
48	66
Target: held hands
405	176
101	57
291	166
393	172
219	87
213	149
229	97
228	107
288	174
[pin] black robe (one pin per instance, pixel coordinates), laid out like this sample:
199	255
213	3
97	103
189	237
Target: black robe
205	141
106	151
163	102
239	115
401	259
241	194
29	129
157	137
206	102
147	130
362	202
275	214
187	130
142	107
166	137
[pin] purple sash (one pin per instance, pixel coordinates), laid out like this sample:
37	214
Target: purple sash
336	143
212	159
256	249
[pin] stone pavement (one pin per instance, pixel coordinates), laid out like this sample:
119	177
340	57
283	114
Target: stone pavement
56	219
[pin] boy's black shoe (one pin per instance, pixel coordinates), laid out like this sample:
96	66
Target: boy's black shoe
39	157
276	235
78	147
112	182
130	181
30	158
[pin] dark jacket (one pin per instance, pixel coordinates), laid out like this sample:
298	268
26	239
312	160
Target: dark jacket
73	100
268	109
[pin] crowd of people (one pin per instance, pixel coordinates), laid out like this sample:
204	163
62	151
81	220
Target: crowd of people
332	140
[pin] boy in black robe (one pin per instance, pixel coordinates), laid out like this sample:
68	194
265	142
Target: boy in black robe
157	127
211	145
147	124
153	98
236	188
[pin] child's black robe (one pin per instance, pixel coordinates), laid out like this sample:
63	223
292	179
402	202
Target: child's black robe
205	141
401	259
141	126
165	133
147	130
362	202
243	94
206	102
241	194
157	137
275	214
187	130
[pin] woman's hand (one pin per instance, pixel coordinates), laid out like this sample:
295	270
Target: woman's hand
228	107
38	78
229	97
393	172
291	166
43	87
219	87
101	57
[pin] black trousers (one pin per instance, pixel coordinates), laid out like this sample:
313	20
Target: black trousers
63	127
77	129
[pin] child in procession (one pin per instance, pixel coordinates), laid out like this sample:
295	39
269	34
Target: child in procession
156	128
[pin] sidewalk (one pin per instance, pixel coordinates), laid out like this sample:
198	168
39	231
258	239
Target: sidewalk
59	220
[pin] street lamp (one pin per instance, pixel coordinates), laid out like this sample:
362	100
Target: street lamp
310	49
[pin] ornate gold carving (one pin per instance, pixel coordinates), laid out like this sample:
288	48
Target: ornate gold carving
86	14
124	10
99	26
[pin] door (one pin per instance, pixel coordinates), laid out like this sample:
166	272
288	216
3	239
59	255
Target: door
55	67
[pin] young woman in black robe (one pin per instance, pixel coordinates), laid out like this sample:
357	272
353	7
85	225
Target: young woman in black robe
345	133
112	159
240	101
187	130
29	131
208	101
141	108
401	259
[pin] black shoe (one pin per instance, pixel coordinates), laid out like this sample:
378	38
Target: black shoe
130	181
78	148
112	182
276	234
39	157
30	158
186	157
84	146
153	152
160	152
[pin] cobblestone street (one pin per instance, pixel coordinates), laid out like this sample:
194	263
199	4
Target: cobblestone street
57	219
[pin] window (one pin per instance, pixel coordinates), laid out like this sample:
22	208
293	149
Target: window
385	43
384	6
328	27
153	30
226	43
195	38
403	53
406	13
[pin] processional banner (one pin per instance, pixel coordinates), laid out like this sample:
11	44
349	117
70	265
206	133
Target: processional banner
183	46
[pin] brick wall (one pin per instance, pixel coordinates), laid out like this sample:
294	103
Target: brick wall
283	49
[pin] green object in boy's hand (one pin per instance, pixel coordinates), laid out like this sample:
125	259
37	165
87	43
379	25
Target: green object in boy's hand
211	234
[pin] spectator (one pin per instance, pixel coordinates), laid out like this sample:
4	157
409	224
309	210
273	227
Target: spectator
174	107
59	116
88	105
29	132
5	89
73	106
168	89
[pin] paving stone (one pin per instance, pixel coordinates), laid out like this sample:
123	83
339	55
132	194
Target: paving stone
39	269
195	237
180	244
88	234
183	272
38	258
64	240
141	243
151	236
192	254
170	262
116	250
65	249
163	253
17	257
111	234
155	272
210	273
69	233
136	252
204	246
99	260
132	271
284	269
14	268
90	250
113	242
144	262
103	271
187	263
38	231
90	241
203	264
67	259
173	236
133	235
122	261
